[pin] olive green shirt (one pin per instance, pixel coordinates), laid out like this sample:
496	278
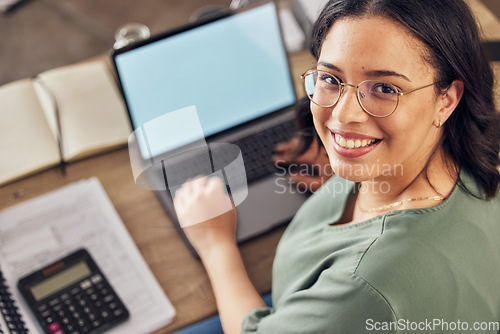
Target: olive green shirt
431	270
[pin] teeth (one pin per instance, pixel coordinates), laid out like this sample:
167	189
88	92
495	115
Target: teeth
353	143
342	142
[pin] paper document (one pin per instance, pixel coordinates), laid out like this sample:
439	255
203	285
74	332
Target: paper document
37	232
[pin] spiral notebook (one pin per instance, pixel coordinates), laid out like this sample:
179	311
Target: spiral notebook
11	322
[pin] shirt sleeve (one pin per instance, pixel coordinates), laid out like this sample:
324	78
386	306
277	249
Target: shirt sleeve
334	304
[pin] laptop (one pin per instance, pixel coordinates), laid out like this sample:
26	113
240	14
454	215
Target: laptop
234	71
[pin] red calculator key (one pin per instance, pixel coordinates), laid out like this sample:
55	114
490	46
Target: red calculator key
55	328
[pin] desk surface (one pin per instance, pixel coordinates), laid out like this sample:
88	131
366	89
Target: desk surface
181	276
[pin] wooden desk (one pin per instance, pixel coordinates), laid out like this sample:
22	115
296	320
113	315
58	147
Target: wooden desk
182	277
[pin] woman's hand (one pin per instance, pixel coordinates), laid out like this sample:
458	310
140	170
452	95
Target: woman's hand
208	217
206	213
314	157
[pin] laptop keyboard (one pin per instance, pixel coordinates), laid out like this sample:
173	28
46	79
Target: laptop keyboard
258	149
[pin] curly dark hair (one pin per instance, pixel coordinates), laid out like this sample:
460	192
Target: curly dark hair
471	135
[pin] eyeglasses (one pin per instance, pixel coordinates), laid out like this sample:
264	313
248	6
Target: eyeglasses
377	98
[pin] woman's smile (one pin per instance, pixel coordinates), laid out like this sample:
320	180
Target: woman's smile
352	145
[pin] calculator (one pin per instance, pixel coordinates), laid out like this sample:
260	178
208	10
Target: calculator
73	296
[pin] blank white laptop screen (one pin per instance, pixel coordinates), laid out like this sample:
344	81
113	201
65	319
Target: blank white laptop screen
233	70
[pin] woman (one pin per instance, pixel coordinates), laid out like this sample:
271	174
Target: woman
406	237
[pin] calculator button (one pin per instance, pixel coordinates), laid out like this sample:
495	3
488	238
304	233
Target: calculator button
53	326
108	298
85	284
45	314
96	278
118	312
54	302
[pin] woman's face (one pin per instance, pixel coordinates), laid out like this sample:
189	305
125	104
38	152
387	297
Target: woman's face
376	48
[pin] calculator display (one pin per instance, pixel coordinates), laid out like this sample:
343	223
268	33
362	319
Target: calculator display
60	280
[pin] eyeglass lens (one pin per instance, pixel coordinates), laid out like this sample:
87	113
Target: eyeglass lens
378	98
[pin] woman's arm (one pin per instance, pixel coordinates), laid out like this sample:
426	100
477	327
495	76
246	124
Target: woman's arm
209	220
234	293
